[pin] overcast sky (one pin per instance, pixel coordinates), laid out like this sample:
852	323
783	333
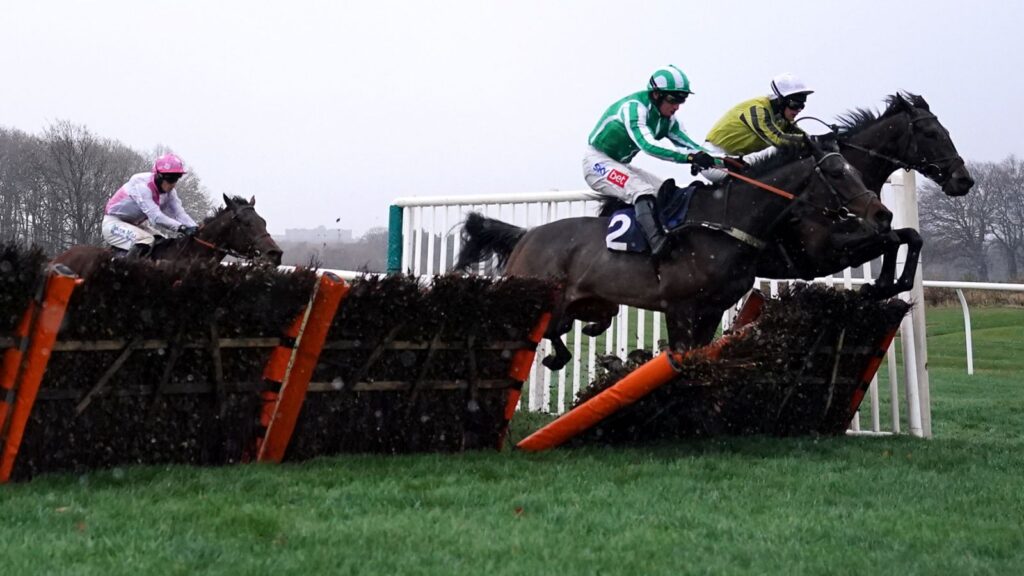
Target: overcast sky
327	110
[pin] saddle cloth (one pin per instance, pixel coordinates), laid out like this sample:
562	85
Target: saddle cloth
625	235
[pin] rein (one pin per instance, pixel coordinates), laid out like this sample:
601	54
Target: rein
760	184
841	214
218	249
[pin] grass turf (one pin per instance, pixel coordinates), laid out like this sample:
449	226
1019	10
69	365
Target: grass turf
740	505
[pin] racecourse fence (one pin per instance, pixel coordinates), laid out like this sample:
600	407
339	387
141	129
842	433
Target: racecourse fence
208	364
424	239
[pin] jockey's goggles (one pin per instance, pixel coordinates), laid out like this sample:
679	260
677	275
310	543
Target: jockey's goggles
676	97
795	104
172	177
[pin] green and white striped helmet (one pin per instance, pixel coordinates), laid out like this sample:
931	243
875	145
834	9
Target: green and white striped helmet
669	79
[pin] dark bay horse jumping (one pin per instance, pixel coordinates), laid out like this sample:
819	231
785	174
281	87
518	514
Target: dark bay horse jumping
234	230
711	263
905	135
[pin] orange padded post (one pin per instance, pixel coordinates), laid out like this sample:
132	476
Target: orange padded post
42	335
519	370
751	310
329	294
12	361
632	387
870	370
273	375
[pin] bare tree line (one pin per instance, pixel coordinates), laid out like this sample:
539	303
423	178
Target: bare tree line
54	186
979	236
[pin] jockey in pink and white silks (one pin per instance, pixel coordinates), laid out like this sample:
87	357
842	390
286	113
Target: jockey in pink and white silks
144	203
642	121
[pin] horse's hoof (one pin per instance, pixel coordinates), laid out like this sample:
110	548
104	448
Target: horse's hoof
594	329
869	291
553	363
873	292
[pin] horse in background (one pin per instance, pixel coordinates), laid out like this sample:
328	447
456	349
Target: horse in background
234	230
906	135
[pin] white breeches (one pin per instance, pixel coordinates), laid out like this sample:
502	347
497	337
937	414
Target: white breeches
120	234
610	178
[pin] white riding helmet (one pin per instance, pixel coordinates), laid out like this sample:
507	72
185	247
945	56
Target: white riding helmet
786	85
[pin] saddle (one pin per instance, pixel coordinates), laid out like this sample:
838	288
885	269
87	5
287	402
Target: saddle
118	253
625	235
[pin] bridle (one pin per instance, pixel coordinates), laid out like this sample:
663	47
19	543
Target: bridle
930	168
840	214
251	251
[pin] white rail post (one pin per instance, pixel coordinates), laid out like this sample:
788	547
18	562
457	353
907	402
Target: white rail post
967	332
913	385
906	216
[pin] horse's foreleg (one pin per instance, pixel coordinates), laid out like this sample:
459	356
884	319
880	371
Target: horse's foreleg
692	326
680	321
705	326
887	286
883	285
912	239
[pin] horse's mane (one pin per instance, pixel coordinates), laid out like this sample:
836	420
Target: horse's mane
857	119
222	209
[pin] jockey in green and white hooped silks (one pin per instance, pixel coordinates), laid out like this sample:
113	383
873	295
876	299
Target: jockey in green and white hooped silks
642	121
754	127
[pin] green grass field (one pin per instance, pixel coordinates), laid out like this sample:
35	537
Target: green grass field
951	505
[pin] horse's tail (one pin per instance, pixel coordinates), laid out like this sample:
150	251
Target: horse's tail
484	237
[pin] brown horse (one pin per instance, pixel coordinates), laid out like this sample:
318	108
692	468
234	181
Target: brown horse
710	265
905	135
234	230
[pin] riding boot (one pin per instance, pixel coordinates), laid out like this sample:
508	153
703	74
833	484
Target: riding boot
138	251
646	216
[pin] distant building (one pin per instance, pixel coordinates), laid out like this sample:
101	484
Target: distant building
319	235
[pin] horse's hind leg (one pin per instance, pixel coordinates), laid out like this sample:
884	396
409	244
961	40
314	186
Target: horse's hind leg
560	355
594	329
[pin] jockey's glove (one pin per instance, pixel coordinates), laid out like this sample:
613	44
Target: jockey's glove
702	159
188	230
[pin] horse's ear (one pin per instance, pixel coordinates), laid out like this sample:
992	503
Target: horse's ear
227	201
252	201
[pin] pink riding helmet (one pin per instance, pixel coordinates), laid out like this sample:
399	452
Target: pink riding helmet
169	164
